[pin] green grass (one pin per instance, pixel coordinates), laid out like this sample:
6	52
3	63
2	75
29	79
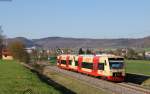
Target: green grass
147	49
15	79
138	66
52	59
146	83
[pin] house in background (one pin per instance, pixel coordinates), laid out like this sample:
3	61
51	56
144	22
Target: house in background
6	55
30	49
147	55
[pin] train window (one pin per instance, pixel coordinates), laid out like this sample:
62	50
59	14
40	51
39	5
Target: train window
115	59
116	65
76	63
101	66
70	61
63	61
87	65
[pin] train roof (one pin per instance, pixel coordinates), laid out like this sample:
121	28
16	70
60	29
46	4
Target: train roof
102	55
91	55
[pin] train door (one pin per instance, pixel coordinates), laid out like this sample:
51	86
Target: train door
95	65
73	61
80	58
67	61
59	61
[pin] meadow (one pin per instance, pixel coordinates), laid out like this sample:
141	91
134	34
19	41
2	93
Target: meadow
147	49
138	66
16	79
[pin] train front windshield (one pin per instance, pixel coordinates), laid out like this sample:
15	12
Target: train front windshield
116	65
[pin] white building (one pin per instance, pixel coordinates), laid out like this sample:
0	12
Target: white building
147	55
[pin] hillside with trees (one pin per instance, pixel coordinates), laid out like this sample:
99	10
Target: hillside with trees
52	42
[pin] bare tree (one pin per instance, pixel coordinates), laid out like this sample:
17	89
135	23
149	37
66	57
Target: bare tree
18	51
88	51
1	41
81	51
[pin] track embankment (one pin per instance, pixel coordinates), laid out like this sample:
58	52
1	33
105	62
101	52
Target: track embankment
114	88
117	88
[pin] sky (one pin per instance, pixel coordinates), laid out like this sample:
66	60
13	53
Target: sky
75	18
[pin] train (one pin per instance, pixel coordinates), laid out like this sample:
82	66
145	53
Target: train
106	66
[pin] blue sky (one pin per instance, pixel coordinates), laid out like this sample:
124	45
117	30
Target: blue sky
76	18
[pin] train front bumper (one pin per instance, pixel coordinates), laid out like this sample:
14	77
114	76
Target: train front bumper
116	79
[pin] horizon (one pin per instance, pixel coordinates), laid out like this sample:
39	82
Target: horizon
95	19
74	37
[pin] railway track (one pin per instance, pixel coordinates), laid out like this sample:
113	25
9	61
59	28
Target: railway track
135	87
115	88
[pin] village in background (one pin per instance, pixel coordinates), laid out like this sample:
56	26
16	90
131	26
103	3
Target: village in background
36	53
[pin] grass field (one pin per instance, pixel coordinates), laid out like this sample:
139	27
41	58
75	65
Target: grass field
147	49
52	59
138	67
15	79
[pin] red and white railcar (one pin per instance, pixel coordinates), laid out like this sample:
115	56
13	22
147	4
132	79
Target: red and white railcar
109	67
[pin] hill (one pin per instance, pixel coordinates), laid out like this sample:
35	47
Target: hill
27	42
52	42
